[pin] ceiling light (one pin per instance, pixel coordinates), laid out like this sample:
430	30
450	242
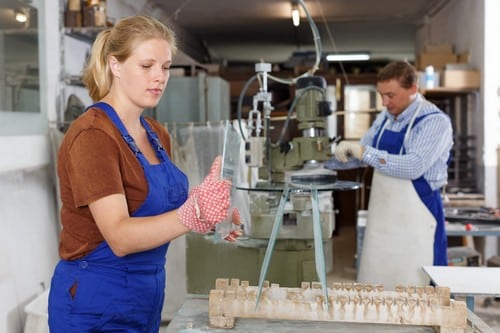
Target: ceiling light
21	17
295	14
348	57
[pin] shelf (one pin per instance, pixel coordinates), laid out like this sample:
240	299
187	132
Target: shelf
24	32
440	91
459	104
73	80
84	34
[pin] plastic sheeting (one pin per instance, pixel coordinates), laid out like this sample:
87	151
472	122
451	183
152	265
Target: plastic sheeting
194	147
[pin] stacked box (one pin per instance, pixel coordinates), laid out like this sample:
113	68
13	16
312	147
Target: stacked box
436	55
437	60
461	78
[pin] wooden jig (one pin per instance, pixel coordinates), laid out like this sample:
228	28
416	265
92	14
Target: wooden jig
347	302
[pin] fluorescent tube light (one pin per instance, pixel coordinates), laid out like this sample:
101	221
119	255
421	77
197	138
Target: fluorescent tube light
348	57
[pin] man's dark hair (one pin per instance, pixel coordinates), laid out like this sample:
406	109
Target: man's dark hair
401	71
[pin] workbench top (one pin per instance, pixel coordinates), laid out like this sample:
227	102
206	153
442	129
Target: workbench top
466	280
193	318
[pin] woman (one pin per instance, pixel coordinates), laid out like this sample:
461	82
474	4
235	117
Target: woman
123	199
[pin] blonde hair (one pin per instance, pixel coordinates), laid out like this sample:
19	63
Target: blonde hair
118	41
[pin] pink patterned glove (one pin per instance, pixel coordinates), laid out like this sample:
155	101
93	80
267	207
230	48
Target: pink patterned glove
208	203
237	226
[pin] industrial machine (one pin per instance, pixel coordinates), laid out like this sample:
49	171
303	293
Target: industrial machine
296	163
300	153
294	166
288	192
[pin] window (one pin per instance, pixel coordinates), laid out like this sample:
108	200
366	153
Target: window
19	57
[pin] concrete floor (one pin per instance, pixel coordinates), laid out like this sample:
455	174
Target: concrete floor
344	270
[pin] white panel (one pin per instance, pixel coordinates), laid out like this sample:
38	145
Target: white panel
23	152
28	237
10	318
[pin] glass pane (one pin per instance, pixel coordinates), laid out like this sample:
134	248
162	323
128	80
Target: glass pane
19	63
230	152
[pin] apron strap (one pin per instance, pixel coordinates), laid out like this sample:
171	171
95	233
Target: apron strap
408	128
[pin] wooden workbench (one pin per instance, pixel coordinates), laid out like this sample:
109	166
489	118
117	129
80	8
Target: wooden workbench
193	318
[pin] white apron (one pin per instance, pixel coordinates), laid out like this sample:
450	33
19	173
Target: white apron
399	234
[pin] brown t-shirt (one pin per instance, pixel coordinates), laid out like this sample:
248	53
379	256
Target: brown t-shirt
93	162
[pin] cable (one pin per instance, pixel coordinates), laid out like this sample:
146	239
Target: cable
332	41
240	102
318	50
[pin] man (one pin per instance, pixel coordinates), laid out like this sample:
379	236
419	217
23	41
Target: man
408	145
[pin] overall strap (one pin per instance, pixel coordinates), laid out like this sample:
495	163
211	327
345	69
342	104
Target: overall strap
154	140
111	113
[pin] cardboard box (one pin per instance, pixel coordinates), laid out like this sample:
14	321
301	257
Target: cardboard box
463	256
461	78
438	60
438	48
464	57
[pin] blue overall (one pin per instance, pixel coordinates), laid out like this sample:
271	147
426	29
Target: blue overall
392	142
120	294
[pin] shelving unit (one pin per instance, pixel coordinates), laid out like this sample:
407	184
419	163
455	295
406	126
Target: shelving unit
70	77
461	106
